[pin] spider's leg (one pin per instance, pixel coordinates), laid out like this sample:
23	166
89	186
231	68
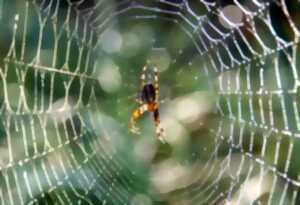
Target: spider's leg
138	98
159	129
135	116
156	83
143	76
139	101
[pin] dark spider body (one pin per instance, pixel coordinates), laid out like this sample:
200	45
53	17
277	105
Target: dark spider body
148	93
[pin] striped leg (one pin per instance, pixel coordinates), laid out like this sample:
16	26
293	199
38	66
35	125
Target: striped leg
156	84
159	130
135	116
143	78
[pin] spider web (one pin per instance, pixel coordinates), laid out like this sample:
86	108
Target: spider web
63	134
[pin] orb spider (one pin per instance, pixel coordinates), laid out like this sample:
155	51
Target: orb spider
148	97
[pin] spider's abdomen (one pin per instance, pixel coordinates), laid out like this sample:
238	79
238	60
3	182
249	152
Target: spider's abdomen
148	93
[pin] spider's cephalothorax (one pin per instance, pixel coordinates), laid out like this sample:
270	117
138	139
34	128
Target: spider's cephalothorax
148	100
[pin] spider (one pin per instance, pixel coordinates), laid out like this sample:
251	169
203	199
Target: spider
148	100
